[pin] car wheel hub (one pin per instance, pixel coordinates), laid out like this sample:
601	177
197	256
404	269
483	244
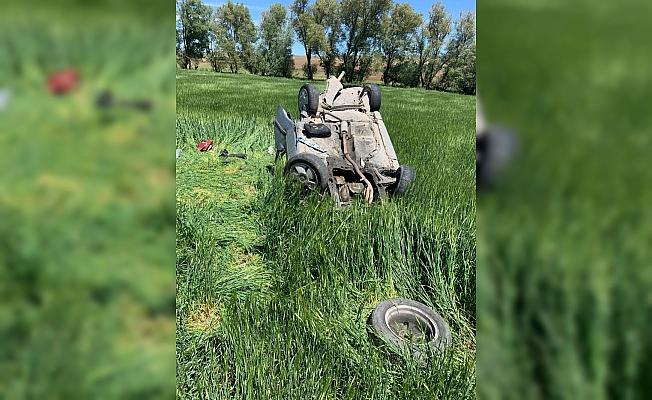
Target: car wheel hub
303	100
305	174
411	324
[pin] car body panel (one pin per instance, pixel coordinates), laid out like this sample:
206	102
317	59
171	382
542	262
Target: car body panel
370	158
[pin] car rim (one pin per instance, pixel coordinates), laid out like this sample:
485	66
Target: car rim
305	174
303	100
411	324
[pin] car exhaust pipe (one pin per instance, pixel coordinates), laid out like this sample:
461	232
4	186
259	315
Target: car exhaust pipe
369	191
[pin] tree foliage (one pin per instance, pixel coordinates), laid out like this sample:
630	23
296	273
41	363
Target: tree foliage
438	28
362	27
235	34
274	52
355	36
193	26
326	14
461	50
309	33
398	31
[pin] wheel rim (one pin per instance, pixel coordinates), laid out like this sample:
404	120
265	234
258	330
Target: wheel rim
305	174
303	100
411	324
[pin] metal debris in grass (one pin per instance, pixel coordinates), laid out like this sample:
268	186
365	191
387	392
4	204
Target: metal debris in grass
225	153
106	100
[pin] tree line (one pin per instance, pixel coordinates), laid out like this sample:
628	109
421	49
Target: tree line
354	36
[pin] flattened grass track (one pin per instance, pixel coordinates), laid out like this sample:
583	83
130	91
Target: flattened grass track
274	289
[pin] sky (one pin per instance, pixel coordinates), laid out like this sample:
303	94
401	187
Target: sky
256	8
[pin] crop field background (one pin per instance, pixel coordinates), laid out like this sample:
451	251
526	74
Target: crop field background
274	288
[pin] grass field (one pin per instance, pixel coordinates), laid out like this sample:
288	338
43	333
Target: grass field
86	205
564	276
273	289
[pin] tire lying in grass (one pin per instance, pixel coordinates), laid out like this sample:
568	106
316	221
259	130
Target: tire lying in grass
404	177
308	99
373	92
407	326
309	170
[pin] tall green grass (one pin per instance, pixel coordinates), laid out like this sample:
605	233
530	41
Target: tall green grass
86	288
564	273
274	288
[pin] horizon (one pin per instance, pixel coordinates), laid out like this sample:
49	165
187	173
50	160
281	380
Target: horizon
256	8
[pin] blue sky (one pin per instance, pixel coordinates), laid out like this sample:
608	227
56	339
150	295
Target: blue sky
256	7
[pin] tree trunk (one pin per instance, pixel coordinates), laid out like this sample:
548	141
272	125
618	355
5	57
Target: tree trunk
328	66
386	72
352	62
308	57
421	78
442	81
429	74
422	61
231	66
327	70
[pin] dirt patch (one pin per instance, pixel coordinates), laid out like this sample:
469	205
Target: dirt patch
205	316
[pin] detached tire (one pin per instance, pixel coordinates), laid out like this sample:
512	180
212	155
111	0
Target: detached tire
404	177
309	170
407	326
373	93
308	99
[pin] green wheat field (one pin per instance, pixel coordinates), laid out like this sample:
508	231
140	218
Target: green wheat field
274	288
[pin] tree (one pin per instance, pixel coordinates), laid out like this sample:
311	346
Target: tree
275	48
421	50
309	33
438	28
461	75
361	20
460	50
193	23
398	34
235	33
326	14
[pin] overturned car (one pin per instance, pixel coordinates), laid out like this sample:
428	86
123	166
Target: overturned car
340	143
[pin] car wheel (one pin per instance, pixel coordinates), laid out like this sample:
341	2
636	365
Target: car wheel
409	326
308	99
309	170
404	177
373	93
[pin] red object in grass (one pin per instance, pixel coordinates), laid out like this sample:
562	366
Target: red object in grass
205	145
62	82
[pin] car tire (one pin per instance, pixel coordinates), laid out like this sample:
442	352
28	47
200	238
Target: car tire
404	177
373	93
308	99
308	168
407	326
